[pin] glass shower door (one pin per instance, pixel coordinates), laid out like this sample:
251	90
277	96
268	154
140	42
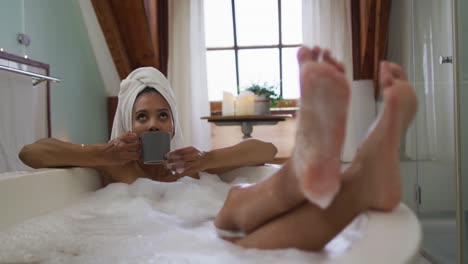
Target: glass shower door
434	150
421	40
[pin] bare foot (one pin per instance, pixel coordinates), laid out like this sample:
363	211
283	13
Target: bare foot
378	157
246	208
372	181
321	126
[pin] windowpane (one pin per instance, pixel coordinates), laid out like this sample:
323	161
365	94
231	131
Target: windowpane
257	22
290	74
258	66
218	23
291	19
221	75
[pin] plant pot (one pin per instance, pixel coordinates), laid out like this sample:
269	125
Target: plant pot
261	105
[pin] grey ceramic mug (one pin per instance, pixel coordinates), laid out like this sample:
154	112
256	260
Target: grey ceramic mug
154	146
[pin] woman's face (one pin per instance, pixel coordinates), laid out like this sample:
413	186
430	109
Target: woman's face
151	112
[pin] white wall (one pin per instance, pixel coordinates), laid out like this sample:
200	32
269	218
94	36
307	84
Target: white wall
104	60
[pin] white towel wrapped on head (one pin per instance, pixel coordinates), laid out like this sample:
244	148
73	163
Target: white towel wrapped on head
135	82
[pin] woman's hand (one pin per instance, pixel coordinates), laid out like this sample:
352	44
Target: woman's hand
122	150
187	160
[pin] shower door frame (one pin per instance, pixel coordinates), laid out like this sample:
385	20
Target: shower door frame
458	183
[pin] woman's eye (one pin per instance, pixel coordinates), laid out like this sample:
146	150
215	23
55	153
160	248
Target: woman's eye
163	115
141	117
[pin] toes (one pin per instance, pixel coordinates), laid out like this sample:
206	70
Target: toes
306	54
397	71
341	67
389	72
327	57
302	54
386	79
315	53
393	69
308	59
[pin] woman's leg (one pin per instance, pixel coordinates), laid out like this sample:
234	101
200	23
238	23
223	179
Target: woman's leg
319	140
309	227
371	182
248	207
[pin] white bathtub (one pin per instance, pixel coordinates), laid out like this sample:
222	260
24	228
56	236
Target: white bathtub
24	195
388	238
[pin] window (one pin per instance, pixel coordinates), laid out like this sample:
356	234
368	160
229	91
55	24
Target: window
252	42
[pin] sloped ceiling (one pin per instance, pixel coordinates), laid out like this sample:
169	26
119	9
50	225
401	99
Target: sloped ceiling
135	31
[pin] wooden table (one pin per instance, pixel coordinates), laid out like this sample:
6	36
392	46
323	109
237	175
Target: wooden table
246	121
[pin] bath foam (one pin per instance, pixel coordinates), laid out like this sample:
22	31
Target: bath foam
148	222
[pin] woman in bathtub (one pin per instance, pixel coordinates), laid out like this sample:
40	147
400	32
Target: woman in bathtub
146	103
310	200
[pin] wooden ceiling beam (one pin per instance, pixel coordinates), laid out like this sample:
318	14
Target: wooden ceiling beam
130	16
112	35
151	15
128	33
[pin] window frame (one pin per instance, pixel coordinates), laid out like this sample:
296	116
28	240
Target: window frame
280	46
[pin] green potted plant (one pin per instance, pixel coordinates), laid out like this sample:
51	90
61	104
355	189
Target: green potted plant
265	97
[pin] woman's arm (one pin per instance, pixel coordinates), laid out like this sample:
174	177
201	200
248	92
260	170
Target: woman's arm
51	152
249	152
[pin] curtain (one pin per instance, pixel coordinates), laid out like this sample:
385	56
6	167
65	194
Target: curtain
187	70
370	23
23	117
327	23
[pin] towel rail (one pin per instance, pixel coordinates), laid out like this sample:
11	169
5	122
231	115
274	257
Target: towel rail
38	78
